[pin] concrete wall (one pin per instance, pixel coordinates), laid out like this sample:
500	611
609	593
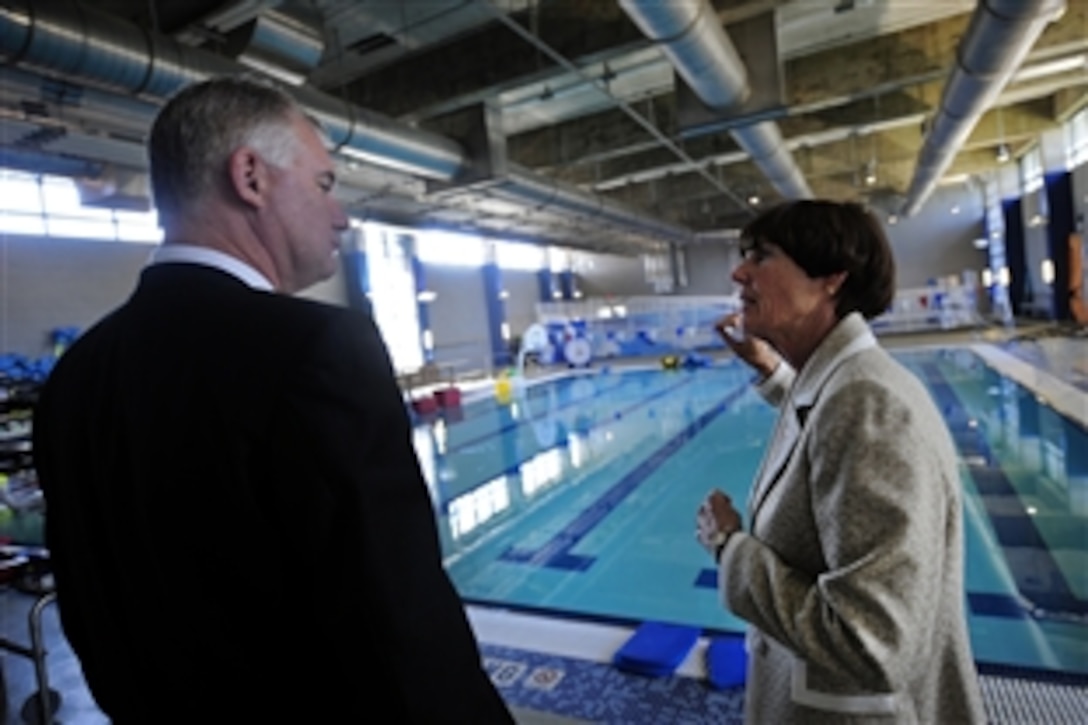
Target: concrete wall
710	266
610	275
523	292
46	283
937	242
458	316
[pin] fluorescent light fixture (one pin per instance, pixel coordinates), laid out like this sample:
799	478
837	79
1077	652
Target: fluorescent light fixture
504	330
1003	277
428	340
426	296
987	277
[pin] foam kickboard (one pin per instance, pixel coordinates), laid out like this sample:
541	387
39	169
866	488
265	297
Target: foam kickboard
656	649
726	662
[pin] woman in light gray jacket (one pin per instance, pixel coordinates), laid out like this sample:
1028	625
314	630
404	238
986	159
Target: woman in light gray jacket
851	570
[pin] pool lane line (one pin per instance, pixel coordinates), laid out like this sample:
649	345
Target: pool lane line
513	468
570	403
556	552
512	424
1018	530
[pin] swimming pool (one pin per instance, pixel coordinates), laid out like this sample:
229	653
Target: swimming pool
577	499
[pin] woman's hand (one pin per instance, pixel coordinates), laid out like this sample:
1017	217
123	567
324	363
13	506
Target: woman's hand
756	352
715	521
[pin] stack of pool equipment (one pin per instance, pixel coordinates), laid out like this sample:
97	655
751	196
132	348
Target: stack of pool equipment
657	649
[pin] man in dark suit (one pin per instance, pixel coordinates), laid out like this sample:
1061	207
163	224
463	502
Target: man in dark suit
238	524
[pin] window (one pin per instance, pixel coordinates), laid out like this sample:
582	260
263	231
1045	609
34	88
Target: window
393	293
436	247
44	205
1076	131
509	255
1031	170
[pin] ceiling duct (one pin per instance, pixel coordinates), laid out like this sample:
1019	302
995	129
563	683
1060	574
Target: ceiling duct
58	100
65	40
999	36
545	193
80	44
282	45
689	33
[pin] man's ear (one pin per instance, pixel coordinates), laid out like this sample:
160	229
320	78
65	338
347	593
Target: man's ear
248	176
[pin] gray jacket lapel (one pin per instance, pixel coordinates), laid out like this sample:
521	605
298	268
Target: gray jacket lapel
850	336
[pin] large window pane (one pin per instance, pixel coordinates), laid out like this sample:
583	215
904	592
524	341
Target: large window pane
450	249
509	255
12	223
19	192
86	228
393	295
61	196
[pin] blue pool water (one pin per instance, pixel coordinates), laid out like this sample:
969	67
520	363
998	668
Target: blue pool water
577	499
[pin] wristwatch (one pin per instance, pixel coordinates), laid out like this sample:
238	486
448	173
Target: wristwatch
720	539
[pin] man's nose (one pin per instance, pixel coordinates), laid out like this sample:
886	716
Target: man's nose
340	220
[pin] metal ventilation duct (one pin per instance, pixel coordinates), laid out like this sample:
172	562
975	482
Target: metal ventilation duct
1000	34
689	33
66	40
539	192
62	38
282	45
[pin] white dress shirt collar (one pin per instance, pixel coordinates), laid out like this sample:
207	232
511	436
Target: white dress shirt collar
191	254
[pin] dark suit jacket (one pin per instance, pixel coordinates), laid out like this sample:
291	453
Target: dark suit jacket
238	522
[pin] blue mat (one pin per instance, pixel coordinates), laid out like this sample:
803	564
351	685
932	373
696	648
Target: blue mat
726	662
656	649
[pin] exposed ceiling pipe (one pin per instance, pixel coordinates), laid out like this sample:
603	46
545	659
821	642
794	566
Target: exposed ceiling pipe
65	40
690	34
284	45
65	102
540	192
999	36
62	38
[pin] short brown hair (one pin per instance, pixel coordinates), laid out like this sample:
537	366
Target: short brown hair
826	237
